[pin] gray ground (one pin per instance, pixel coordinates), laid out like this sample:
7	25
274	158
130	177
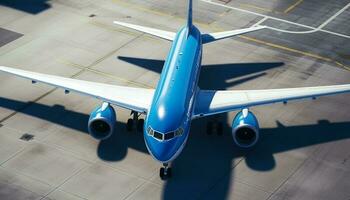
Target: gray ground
304	148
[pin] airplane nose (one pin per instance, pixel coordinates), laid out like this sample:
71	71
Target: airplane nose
163	151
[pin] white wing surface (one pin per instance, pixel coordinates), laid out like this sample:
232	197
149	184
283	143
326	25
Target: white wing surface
155	32
214	102
211	37
137	99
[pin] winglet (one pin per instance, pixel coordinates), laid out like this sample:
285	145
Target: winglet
189	14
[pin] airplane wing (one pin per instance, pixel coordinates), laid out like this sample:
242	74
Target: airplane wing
211	37
210	102
155	32
136	99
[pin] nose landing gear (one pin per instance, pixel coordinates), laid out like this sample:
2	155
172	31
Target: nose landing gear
165	172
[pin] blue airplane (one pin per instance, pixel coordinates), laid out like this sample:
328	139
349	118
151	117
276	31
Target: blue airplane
177	99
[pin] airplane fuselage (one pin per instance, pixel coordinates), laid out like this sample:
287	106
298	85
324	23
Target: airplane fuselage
168	121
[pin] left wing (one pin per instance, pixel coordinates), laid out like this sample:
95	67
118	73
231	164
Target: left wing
152	31
210	102
137	99
211	37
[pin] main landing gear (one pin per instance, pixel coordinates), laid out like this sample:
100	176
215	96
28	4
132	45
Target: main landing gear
215	127
165	172
135	122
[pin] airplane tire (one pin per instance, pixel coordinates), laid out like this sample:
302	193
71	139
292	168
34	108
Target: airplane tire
220	128
140	124
129	125
209	127
162	174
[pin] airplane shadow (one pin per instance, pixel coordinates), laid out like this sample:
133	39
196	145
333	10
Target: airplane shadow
206	158
28	6
216	76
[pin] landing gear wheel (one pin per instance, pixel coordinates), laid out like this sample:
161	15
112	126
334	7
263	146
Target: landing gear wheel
140	124
129	125
165	173
209	127
220	128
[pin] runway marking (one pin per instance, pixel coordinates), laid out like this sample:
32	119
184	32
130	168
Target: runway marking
265	17
286	48
313	29
69	63
261	21
334	16
257	7
290	8
296	51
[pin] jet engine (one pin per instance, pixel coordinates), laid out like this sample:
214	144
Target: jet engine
102	121
245	129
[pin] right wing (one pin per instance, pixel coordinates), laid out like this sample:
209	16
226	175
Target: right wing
210	102
152	31
136	99
211	37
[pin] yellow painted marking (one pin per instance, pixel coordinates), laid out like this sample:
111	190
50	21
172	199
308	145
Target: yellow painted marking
286	48
256	7
290	8
69	63
342	65
214	27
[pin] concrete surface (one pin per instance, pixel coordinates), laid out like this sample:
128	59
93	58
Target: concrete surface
304	148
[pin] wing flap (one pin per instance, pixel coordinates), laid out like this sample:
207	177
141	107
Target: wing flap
137	99
152	31
211	102
211	37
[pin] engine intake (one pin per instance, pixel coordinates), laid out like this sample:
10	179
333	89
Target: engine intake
245	129
102	122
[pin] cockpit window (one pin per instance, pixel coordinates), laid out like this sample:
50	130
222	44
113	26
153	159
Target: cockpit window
169	135
150	131
166	136
158	135
179	132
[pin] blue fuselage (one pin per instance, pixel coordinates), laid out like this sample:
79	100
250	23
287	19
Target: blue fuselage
169	118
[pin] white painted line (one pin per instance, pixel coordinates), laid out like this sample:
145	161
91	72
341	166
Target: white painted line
265	17
261	21
334	16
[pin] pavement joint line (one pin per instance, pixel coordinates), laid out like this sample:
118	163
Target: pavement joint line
257	7
65	181
12	156
315	56
68	151
17	172
313	29
69	63
261	21
293	173
132	192
334	16
122	30
286	48
250	38
290	8
212	186
121	171
73	76
23	188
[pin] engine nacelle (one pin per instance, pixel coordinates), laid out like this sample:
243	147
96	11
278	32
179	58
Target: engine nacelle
102	122
245	129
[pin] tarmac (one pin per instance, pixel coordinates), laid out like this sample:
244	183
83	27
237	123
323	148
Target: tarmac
46	152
